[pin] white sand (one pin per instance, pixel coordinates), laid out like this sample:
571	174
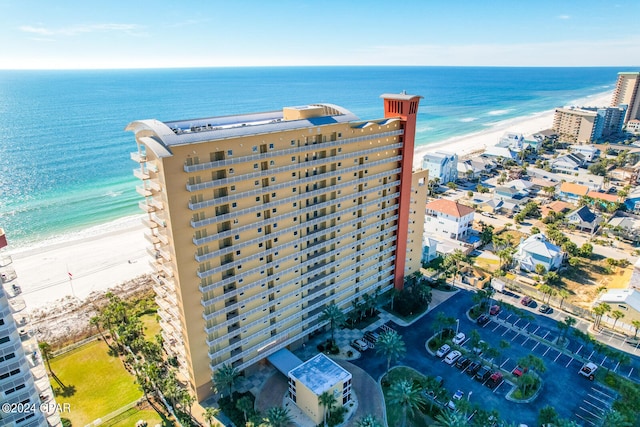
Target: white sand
103	257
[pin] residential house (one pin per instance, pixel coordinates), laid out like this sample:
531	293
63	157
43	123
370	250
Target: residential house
624	300
429	248
505	153
571	192
539	185
537	249
589	152
524	186
557	206
633	200
510	193
441	165
603	200
627	227
568	164
584	219
448	218
470	169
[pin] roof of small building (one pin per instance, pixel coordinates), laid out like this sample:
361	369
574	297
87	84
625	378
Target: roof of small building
631	297
612	198
538	244
449	207
320	374
571	188
585	214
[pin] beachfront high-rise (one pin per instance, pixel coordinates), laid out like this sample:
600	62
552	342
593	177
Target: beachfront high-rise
588	124
627	92
257	222
25	392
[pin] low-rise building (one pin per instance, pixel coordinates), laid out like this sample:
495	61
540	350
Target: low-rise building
584	219
316	376
537	249
625	300
633	126
441	165
571	192
589	152
568	164
448	218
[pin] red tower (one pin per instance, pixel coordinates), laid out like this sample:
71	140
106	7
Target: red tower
404	107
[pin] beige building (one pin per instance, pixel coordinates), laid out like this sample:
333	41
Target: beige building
574	124
257	222
316	376
627	301
627	92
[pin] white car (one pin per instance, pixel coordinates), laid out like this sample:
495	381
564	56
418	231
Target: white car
360	345
459	338
457	396
452	357
443	350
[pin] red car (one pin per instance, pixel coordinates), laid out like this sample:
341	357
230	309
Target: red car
526	300
495	309
494	380
519	370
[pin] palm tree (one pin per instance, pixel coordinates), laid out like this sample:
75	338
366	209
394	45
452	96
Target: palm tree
328	401
277	416
226	376
614	418
210	414
617	315
636	324
451	419
600	310
245	404
390	345
334	316
45	349
547	416
368	420
562	293
407	396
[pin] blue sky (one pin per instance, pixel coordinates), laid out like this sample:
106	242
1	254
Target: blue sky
146	34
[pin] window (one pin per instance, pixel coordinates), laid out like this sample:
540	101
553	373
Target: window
233	188
256	183
259	229
258	199
234	205
237	237
229	152
271	146
255	166
230	171
293	159
273	179
272	163
254	148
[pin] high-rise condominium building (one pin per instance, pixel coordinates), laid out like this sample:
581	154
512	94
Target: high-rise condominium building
25	392
258	222
588	124
627	92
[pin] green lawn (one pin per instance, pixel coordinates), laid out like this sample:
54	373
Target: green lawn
92	382
151	325
133	415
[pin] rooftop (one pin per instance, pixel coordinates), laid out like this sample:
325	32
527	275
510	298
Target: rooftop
630	297
320	373
571	188
449	207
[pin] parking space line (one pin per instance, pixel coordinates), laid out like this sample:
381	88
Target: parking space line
616	368
497	326
598	399
505	362
507	318
605	358
589	358
590	413
599	409
629	376
515	336
516	322
537	344
584	419
603	393
525	341
536	330
556	359
578	350
498	386
545	335
569	363
526	326
545	353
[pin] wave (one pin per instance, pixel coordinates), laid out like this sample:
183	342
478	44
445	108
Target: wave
468	119
499	112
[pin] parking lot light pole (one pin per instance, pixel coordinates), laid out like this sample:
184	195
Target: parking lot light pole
469	396
457	325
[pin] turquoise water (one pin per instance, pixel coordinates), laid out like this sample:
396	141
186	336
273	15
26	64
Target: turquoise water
64	154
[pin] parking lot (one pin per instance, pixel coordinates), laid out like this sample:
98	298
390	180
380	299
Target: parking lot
572	395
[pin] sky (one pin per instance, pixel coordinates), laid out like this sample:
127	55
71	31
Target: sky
63	34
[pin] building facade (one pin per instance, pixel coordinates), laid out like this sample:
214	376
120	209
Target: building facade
587	124
448	218
257	222
627	92
24	383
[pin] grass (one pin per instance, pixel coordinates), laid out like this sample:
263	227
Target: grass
150	325
132	416
92	382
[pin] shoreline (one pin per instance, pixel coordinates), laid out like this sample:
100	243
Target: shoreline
104	256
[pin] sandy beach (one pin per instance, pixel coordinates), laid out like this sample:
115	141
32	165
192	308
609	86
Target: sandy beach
106	256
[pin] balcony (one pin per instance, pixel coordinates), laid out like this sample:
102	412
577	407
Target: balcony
145	206
151	238
143	191
139	157
140	174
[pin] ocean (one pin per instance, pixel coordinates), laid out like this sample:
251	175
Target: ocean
64	154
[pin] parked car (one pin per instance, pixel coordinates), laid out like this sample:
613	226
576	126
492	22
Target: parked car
463	362
482	320
526	300
544	308
360	345
589	370
443	350
452	357
494	380
459	338
494	310
478	348
483	374
457	396
472	369
519	370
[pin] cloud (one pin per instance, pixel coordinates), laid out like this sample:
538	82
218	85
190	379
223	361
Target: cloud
75	30
565	17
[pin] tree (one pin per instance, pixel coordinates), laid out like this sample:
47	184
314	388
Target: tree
277	416
390	345
408	396
547	415
328	401
525	382
45	349
492	354
563	294
334	316
636	325
226	376
486	234
452	262
451	419
615	419
546	290
599	311
368	420
245	404
617	315
551	278
210	414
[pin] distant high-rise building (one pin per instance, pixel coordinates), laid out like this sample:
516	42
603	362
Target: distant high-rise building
588	124
627	93
258	222
25	392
